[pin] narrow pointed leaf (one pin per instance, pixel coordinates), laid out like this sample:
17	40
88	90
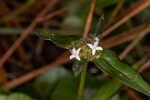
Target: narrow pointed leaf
66	90
111	64
64	41
114	85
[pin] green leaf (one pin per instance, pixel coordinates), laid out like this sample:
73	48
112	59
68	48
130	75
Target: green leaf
92	85
48	81
3	97
19	96
107	90
113	86
116	97
6	95
15	96
111	64
67	89
64	41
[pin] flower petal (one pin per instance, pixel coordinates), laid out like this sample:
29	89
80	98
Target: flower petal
90	45
93	51
78	58
99	48
73	51
78	51
72	56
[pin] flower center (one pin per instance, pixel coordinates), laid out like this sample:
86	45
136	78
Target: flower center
86	52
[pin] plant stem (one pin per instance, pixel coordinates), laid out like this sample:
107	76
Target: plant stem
82	82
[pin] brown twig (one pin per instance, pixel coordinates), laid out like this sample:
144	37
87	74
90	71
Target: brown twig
22	54
145	66
144	5
132	45
20	51
114	14
26	33
18	81
89	19
3	73
124	36
5	47
132	94
3	77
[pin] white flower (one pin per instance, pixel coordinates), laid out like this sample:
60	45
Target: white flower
75	54
95	46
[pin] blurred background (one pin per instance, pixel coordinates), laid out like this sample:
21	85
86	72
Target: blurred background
33	67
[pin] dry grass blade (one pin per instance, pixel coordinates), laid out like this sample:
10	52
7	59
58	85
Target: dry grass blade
145	66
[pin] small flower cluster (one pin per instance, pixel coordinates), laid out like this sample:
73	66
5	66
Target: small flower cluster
75	53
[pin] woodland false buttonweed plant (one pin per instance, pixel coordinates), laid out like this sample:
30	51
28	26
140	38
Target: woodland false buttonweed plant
88	50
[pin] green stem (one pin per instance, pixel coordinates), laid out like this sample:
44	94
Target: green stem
82	82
